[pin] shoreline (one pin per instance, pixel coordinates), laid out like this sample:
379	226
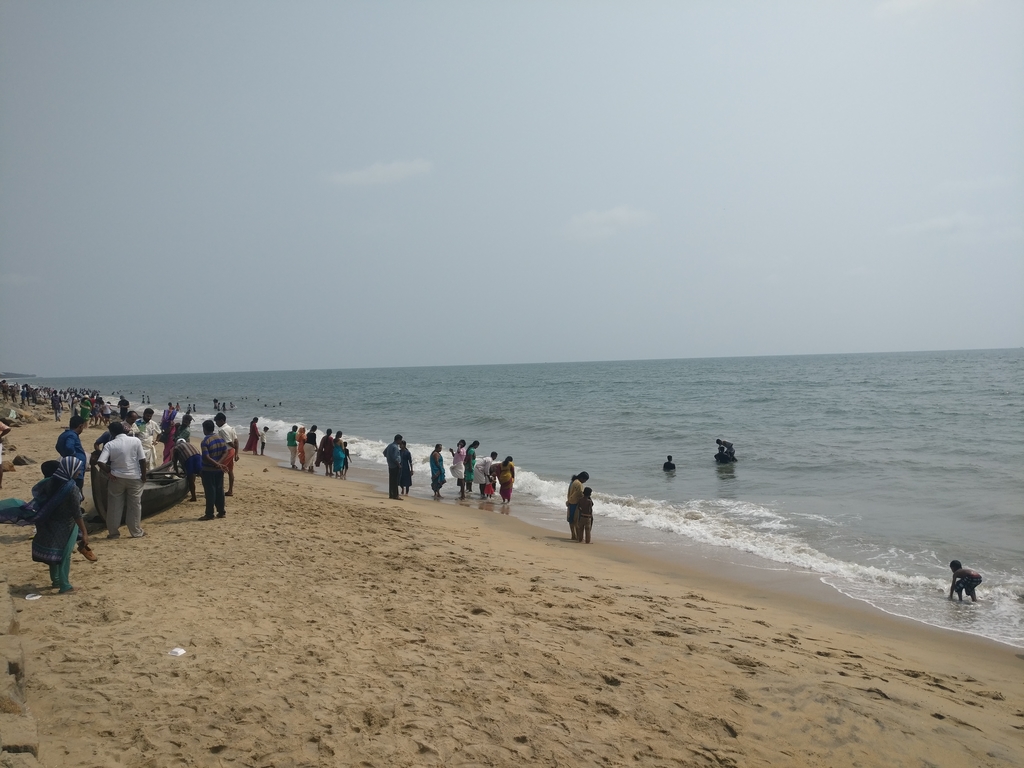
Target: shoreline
325	624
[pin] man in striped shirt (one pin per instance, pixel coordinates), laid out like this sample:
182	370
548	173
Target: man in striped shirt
214	449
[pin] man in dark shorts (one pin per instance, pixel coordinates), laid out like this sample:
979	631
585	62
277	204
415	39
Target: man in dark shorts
964	580
189	459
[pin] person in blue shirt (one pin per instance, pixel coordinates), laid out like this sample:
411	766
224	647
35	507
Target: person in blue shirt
70	444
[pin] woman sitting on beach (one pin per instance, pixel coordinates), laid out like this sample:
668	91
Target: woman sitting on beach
253	443
506	479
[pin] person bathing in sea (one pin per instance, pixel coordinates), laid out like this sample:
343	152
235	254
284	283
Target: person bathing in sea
459	467
727	447
964	580
437	478
668	466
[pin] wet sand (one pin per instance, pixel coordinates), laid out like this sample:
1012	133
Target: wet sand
327	625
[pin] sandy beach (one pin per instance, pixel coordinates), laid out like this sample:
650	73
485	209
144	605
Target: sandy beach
326	625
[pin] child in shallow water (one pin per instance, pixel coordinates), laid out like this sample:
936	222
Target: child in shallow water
964	580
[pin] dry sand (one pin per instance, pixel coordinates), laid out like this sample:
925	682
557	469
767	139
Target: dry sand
325	625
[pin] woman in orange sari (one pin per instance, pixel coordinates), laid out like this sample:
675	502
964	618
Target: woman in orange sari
301	440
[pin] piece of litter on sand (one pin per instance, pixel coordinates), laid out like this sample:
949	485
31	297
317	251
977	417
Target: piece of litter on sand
176	652
33	596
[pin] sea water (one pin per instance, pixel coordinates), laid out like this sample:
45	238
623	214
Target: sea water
872	471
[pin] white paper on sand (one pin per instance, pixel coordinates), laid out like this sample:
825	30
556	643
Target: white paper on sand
33	596
176	652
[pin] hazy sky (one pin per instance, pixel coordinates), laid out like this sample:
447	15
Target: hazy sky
219	186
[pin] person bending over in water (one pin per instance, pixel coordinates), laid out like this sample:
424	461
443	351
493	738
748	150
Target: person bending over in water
964	580
728	448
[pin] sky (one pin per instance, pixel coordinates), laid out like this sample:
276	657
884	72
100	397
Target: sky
233	186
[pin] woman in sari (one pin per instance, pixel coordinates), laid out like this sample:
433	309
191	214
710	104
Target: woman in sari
339	455
506	479
436	471
57	501
325	453
253	443
405	471
301	440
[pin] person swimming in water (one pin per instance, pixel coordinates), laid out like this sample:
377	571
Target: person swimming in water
668	466
727	447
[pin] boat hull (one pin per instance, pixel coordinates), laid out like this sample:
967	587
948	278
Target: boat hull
160	491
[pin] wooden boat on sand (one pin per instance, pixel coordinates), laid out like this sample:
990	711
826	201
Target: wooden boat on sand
161	490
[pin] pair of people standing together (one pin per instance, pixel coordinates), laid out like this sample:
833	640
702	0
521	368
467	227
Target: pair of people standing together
579	508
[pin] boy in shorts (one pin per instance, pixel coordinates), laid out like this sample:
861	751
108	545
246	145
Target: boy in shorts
964	580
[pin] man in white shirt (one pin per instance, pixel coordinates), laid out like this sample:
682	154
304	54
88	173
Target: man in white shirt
124	462
228	435
149	431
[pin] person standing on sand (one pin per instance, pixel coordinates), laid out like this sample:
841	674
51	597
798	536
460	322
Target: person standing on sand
263	439
57	406
459	466
506	479
348	460
230	437
300	442
339	456
149	431
393	453
293	444
573	499
584	516
70	444
483	469
325	453
188	459
124	460
59	519
215	452
167	429
437	478
471	465
405	476
312	444
184	431
253	443
964	580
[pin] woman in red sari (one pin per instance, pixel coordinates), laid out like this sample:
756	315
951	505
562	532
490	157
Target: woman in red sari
253	443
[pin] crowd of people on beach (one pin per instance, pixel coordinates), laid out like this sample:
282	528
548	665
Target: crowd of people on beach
132	447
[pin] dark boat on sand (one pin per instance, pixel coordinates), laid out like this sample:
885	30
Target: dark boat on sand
162	489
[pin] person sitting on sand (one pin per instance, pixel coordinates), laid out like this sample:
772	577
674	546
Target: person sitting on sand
964	580
584	516
668	466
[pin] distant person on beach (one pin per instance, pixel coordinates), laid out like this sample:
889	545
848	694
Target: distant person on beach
263	440
668	466
393	453
325	453
572	500
470	464
57	405
70	444
348	461
459	466
300	442
124	460
188	459
168	429
184	431
293	444
59	519
122	406
484	469
339	456
215	453
437	477
584	516
253	442
312	444
725	445
506	479
405	476
230	437
149	431
964	580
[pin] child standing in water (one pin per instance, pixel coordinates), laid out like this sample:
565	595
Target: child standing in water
584	516
964	580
